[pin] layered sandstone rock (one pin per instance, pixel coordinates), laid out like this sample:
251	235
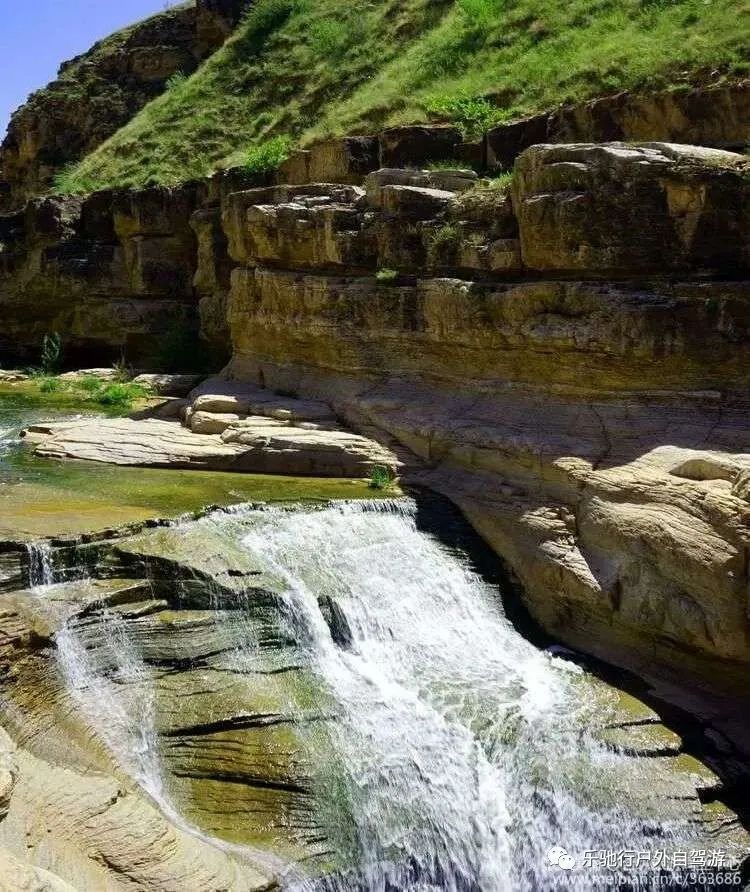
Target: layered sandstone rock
717	115
112	274
74	813
625	210
594	432
263	434
570	365
174	670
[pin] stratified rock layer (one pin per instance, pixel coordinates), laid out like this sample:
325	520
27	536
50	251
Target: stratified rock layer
594	431
566	359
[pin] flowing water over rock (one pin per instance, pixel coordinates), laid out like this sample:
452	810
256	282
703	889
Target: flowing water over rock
350	698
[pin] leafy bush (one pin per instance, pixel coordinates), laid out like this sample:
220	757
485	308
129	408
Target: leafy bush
50	385
444	241
268	156
473	115
89	384
51	353
119	395
386	276
380	478
502	181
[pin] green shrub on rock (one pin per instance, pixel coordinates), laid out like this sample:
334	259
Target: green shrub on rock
473	115
119	395
380	478
386	276
268	156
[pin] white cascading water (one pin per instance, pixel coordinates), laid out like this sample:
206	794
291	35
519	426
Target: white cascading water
41	571
461	742
461	746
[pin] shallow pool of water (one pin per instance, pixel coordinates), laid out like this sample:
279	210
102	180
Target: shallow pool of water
42	497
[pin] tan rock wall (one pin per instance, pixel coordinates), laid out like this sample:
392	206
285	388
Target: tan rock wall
594	432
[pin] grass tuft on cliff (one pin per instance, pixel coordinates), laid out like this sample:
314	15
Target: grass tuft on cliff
306	69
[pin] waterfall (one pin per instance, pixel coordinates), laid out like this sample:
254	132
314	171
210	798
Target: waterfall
41	569
462	743
462	755
8	436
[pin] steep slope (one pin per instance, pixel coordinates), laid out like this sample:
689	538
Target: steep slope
310	69
98	92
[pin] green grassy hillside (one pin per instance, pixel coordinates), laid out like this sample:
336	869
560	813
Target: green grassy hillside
311	68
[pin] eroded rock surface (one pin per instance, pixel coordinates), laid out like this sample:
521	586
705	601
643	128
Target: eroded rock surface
72	814
593	431
237	429
175	671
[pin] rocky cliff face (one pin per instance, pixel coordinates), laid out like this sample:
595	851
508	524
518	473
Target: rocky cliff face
97	93
570	365
113	273
567	360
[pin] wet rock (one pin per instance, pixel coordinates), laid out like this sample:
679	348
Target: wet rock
336	620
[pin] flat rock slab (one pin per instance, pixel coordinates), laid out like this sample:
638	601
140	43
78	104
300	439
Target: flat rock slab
220	397
169	385
244	447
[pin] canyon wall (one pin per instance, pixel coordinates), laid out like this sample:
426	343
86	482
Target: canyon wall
113	274
567	360
570	365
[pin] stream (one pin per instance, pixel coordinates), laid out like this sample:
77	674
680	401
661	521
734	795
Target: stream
460	756
423	743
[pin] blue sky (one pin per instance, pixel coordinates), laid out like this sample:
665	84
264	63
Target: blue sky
37	35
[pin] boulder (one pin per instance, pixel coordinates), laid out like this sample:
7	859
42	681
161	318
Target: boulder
415	145
218	396
625	209
108	374
301	452
168	385
413	202
210	423
306	226
447	180
344	160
